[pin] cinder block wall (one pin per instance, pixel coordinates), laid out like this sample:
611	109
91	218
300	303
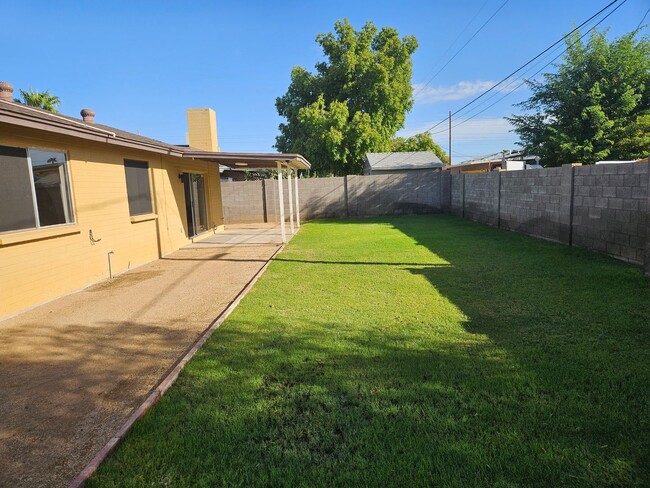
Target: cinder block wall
482	198
457	196
396	194
445	192
319	198
360	196
610	210
604	207
242	202
530	202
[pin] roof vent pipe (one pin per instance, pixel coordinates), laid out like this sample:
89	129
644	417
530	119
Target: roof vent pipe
6	91
88	115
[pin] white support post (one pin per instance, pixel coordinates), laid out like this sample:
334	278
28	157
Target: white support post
281	197
293	231
297	201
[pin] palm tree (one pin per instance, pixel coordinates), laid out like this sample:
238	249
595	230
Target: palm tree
43	100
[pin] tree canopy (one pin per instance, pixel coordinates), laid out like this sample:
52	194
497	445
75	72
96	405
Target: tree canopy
354	103
596	107
418	142
44	100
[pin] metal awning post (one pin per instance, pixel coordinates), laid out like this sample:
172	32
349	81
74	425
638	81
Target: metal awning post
297	202
293	230
281	198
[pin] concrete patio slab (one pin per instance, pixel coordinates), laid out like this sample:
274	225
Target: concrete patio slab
72	370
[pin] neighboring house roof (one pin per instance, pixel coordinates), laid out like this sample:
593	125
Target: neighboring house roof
31	117
499	157
403	160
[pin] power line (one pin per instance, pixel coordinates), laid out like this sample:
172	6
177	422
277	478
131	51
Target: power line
641	22
522	66
510	83
526	64
539	70
460	34
462	47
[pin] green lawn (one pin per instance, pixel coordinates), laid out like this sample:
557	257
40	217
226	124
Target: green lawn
408	352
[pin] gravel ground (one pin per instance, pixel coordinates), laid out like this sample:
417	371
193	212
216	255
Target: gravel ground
72	370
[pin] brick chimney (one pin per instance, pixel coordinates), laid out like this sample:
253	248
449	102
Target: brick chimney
6	91
202	129
88	115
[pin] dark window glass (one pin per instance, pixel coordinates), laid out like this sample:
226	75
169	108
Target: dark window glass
137	187
51	186
16	202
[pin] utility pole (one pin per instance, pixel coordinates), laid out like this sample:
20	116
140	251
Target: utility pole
450	137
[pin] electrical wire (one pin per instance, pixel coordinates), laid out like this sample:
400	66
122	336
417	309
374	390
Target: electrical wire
542	53
641	21
423	86
538	71
475	99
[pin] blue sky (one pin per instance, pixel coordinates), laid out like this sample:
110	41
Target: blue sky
140	64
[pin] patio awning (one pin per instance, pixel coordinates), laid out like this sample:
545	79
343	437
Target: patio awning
290	163
250	160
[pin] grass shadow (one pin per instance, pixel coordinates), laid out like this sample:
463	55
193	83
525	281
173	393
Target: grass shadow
421	351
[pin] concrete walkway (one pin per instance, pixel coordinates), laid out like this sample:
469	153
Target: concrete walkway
72	370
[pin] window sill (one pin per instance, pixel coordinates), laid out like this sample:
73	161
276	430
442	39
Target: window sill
143	218
38	234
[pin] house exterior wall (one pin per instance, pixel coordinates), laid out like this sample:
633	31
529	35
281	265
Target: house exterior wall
42	264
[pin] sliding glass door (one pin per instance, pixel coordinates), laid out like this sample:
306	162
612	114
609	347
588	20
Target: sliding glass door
195	203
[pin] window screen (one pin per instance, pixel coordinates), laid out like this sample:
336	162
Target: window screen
34	189
16	201
137	187
51	186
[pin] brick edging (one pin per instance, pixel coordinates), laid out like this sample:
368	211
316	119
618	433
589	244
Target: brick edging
166	383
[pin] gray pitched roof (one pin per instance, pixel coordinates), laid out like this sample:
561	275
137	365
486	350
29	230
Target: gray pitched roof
403	160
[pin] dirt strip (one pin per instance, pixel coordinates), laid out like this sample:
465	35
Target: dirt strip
164	385
72	371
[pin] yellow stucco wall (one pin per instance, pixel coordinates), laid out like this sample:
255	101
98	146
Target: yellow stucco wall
35	271
202	129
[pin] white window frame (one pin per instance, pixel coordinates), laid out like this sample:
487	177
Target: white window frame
66	193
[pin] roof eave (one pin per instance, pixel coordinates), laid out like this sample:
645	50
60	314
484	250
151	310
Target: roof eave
55	127
250	160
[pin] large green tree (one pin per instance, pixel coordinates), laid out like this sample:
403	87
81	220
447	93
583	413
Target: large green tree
596	106
354	103
418	142
44	100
